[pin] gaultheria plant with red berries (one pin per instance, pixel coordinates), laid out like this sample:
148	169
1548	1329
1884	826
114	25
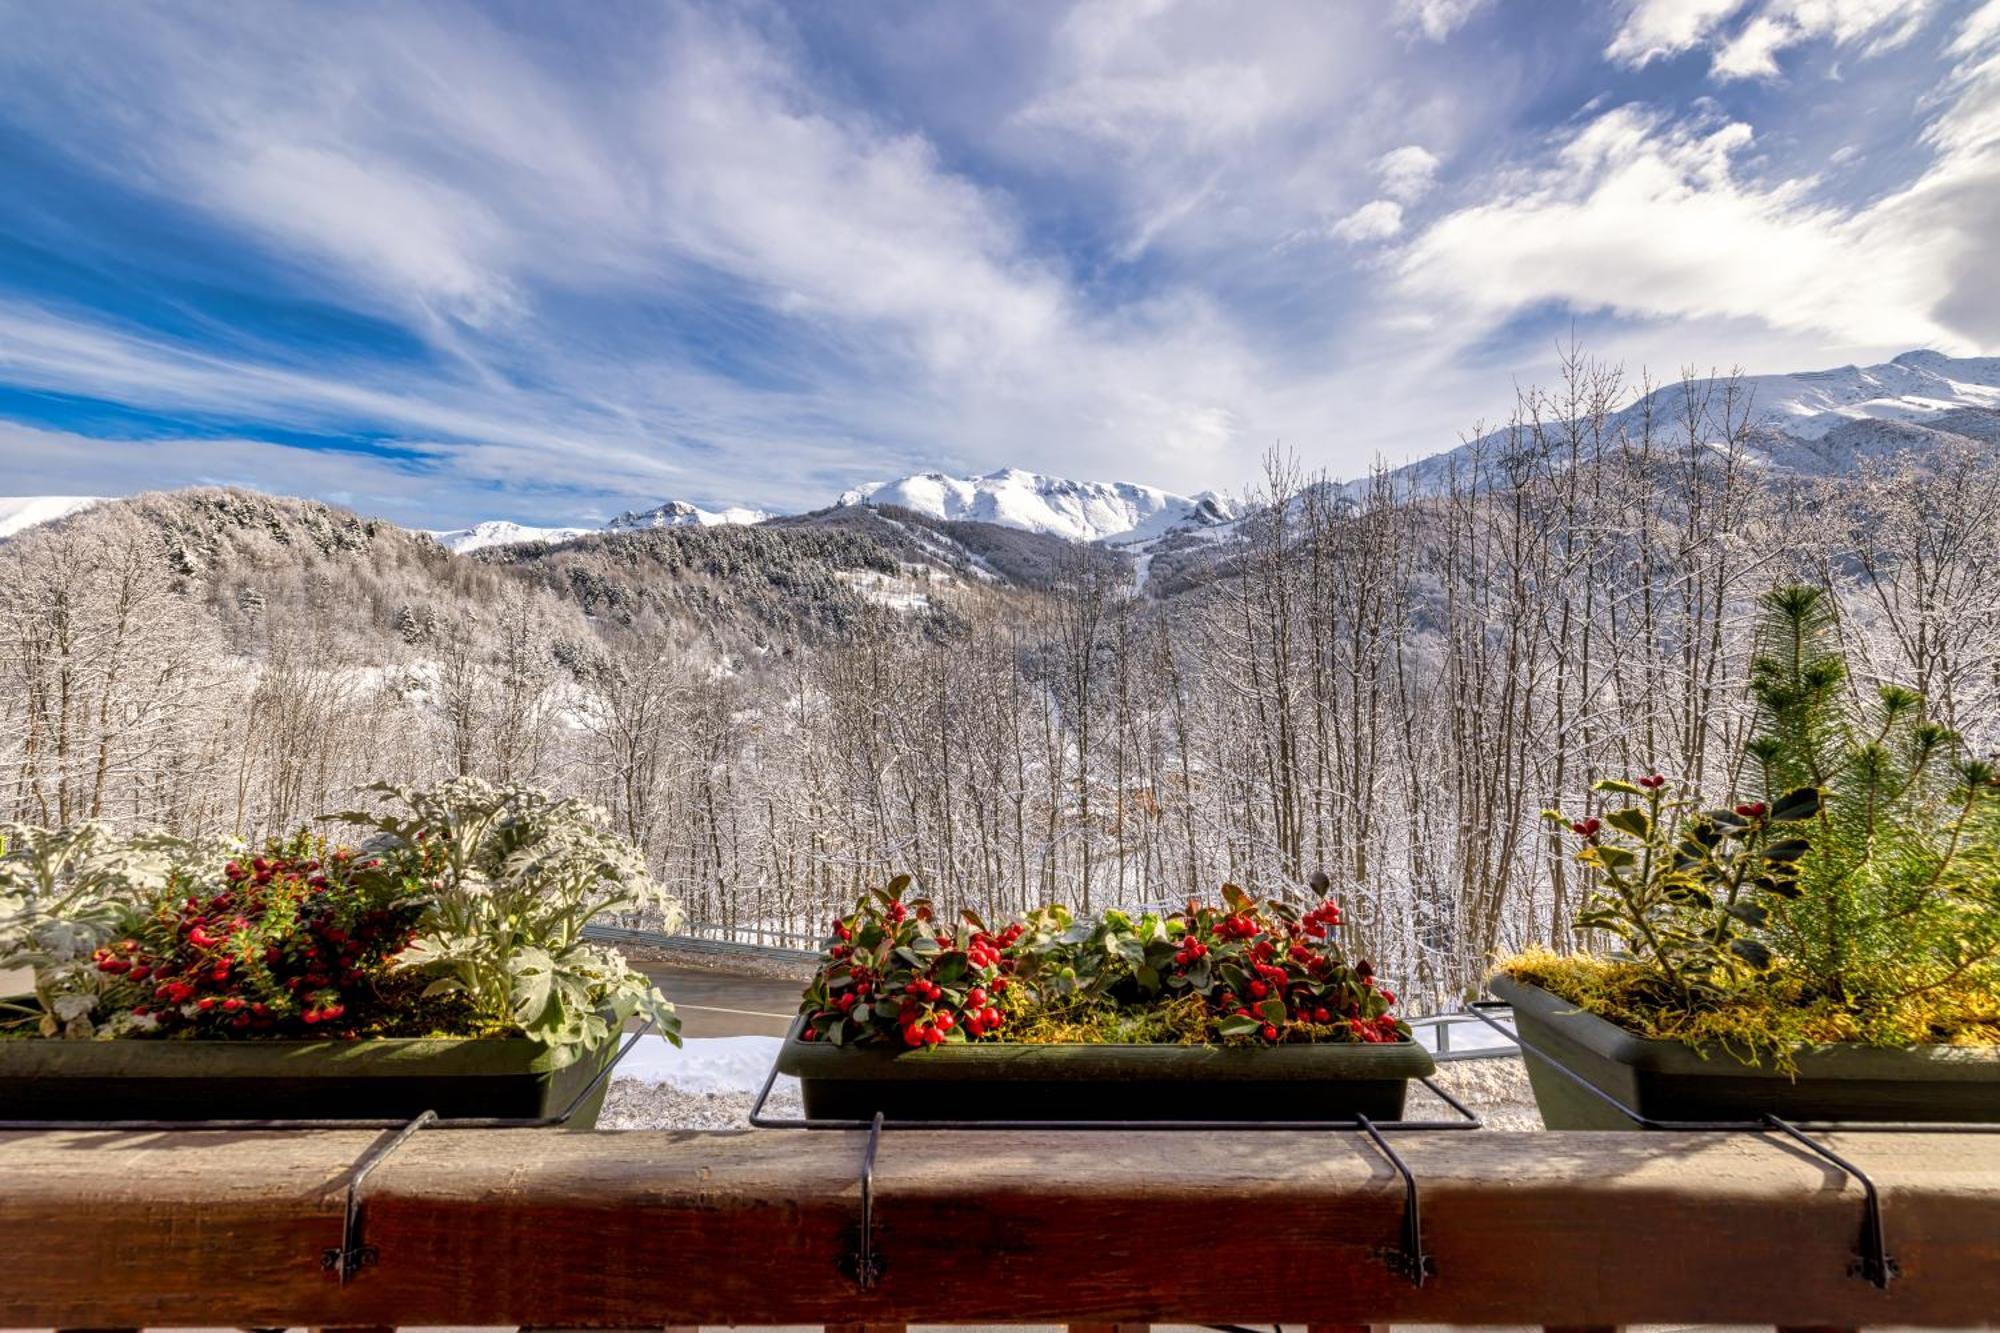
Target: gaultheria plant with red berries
300	941
1233	972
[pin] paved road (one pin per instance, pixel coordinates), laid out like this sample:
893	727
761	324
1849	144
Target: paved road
716	1004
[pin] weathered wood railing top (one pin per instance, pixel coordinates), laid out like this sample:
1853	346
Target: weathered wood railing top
109	1229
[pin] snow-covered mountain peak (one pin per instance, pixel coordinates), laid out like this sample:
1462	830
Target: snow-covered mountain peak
1118	512
20	512
681	514
671	514
500	532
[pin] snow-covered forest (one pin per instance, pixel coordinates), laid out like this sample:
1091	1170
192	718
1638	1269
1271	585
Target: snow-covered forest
1386	680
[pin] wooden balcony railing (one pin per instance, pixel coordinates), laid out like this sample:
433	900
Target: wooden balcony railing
553	1229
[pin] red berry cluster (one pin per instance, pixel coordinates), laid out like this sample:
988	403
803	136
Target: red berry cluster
292	943
1272	973
1261	972
890	974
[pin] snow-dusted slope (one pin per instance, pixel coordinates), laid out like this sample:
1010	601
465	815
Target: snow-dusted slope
681	514
1085	511
499	532
20	512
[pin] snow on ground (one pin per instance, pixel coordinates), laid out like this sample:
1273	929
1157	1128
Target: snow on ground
898	594
1495	1090
701	1064
706	1083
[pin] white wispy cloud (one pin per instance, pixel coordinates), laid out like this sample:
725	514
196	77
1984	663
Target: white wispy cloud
1376	220
885	264
1653	216
1653	29
692	262
1407	173
1438	19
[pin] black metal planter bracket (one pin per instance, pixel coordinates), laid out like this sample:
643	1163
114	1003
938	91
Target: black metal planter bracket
864	1266
1873	1262
354	1254
1408	1258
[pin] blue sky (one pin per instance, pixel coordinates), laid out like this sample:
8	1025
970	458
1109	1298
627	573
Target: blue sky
446	262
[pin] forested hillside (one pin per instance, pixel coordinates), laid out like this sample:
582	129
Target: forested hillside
1386	681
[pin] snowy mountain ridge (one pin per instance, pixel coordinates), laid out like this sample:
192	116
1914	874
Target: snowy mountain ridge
1116	512
1818	423
671	514
500	532
1913	388
1808	423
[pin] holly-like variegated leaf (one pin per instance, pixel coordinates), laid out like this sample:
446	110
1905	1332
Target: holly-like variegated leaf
1630	820
1787	851
1752	952
1793	806
1750	914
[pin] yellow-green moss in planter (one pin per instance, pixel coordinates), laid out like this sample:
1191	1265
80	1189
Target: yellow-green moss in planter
1771	1015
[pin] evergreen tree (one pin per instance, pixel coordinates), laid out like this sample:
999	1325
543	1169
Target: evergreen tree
1902	884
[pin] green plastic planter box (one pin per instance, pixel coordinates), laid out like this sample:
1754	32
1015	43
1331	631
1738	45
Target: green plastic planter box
1666	1080
383	1078
1002	1081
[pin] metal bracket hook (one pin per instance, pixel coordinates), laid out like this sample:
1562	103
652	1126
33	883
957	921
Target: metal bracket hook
864	1266
1873	1263
1408	1260
354	1254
